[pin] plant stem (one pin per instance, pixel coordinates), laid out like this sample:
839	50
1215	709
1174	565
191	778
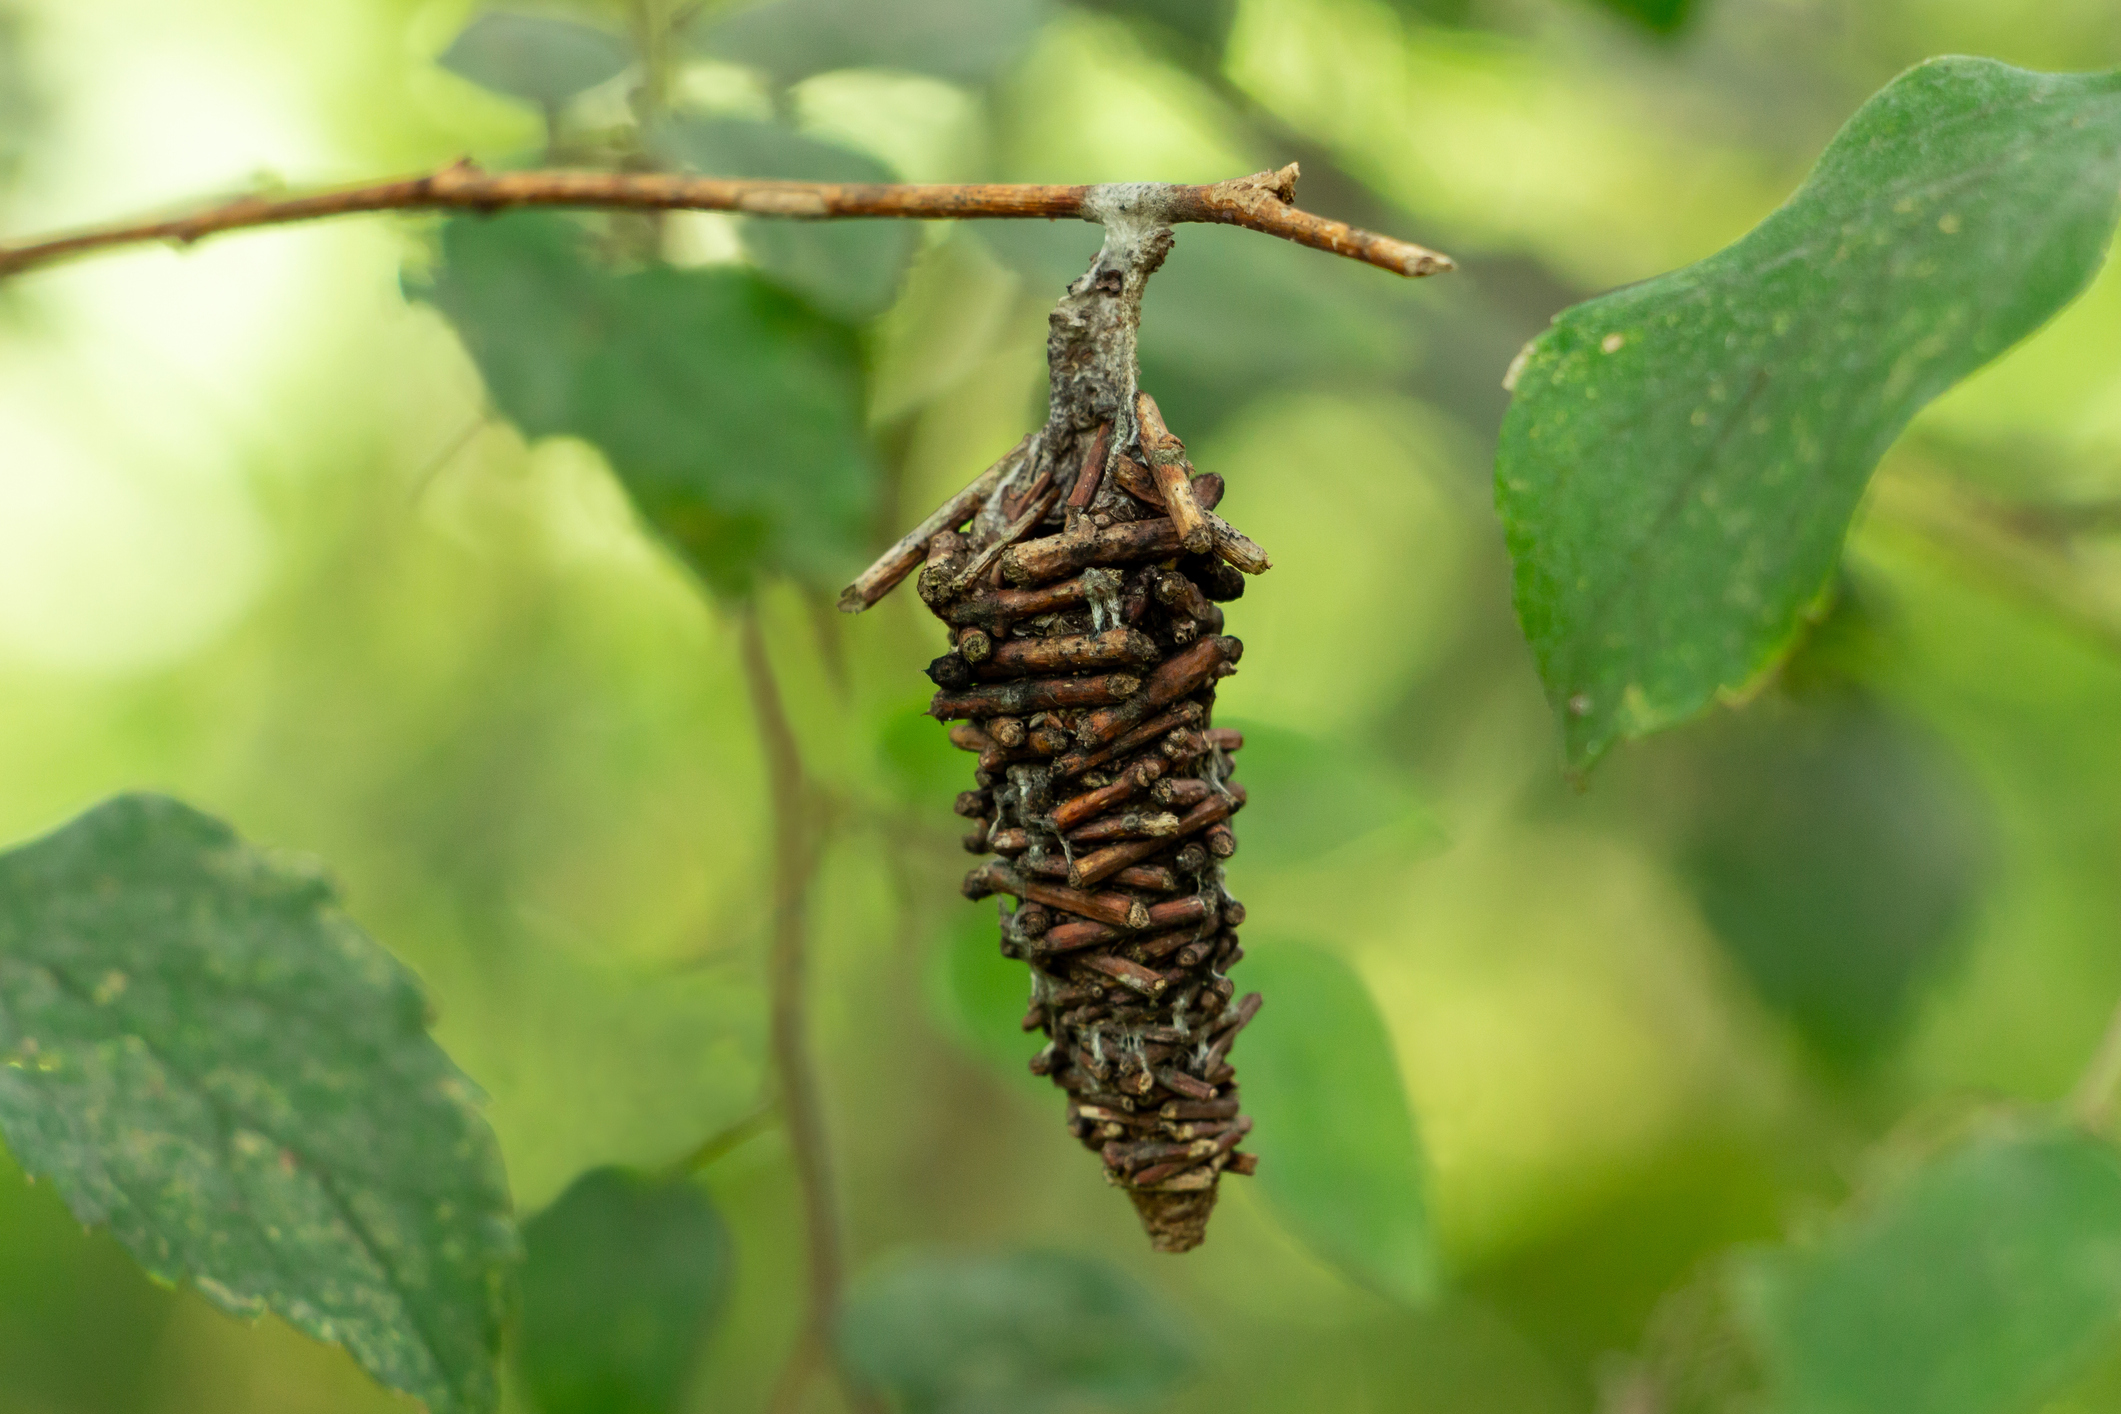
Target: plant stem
795	860
1261	202
725	1141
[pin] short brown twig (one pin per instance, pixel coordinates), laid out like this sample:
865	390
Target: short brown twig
1261	202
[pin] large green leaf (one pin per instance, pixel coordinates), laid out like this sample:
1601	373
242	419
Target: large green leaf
624	1277
205	1055
536	58
1010	1333
731	412
1338	1156
1986	1283
1682	458
964	40
847	269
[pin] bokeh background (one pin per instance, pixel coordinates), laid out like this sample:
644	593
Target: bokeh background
264	546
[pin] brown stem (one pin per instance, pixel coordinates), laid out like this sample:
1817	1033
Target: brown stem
795	859
1261	202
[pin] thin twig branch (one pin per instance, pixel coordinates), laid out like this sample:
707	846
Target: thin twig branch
723	1142
802	1105
1261	202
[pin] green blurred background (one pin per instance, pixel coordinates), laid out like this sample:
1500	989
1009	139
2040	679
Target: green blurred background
263	546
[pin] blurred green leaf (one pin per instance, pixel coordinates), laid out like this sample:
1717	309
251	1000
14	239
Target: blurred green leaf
980	996
1010	1333
1307	797
1231	318
919	758
1338	1156
624	1277
536	58
21	110
1658	16
966	41
205	1055
1840	856
1681	460
1987	1282
731	413
1204	24
848	269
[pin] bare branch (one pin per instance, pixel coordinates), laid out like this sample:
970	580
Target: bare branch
1261	202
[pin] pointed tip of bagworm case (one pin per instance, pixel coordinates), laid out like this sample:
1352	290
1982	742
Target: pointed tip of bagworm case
851	600
1175	1222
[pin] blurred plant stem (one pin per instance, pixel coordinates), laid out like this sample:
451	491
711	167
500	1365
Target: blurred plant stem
726	1141
797	831
2026	553
2093	1099
652	33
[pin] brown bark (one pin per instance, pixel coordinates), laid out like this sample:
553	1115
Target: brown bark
1129	825
1027	695
1077	762
1179	676
995	610
1167	465
1138	776
1091	474
1043	498
903	558
1108	861
1071	653
1115	909
1172	913
1149	878
1057	555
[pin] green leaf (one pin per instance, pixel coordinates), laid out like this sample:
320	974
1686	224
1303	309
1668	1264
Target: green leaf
203	1053
731	413
1986	1283
1338	1156
967	41
1010	1333
1657	16
626	1274
847	269
1682	458
1839	855
535	58
1308	797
